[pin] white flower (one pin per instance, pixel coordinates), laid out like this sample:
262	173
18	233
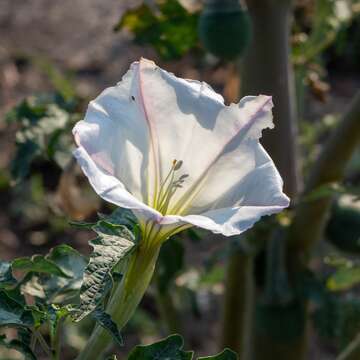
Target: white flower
173	153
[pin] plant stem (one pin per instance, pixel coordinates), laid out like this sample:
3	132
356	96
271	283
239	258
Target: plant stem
307	226
56	342
125	298
33	342
237	309
352	351
43	343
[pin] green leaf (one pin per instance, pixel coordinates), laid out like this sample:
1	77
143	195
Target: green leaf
38	263
54	288
104	319
112	244
14	313
18	345
120	216
82	224
25	154
6	276
226	354
169	348
344	278
69	260
172	31
171	261
44	124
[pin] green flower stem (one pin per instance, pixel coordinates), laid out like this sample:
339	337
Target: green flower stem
126	297
56	342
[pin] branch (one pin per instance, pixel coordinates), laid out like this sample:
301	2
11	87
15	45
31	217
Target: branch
310	217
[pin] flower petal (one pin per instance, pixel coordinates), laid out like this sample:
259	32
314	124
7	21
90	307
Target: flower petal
116	135
228	221
132	133
191	123
111	189
237	210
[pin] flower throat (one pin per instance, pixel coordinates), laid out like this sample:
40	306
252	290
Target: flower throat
168	187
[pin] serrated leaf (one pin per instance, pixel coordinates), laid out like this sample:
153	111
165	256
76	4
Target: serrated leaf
40	264
344	278
6	276
104	319
14	313
18	345
112	244
169	348
226	354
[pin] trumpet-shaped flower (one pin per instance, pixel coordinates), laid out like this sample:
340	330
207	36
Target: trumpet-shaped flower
170	150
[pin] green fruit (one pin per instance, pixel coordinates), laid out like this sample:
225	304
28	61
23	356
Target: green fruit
224	28
343	228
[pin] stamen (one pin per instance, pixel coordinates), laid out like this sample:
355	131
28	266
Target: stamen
169	186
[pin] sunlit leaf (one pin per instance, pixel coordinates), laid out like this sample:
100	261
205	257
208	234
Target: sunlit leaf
52	287
38	263
344	278
112	244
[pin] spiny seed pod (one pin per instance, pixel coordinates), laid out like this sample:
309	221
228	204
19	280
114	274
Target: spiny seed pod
224	28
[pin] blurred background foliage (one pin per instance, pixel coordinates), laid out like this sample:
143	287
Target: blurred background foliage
44	91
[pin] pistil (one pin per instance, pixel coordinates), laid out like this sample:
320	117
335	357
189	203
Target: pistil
169	186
